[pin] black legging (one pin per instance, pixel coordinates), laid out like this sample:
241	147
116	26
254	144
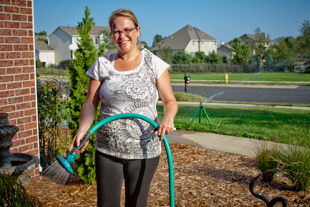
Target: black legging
111	171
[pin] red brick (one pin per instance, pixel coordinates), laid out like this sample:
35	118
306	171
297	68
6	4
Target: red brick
16	100
29	112
14	85
12	40
13	150
7	78
16	114
2	71
21	62
26	25
2	55
30	98
6	63
32	125
29	4
13	55
29	84
5	48
3	87
18	142
22	91
33	152
1	39
11	9
7	109
17	17
32	139
21	77
25	148
27	40
31	47
28	69
1	7
14	70
30	18
25	11
27	54
24	120
31	62
32	77
5	32
19	3
23	106
5	16
3	102
12	24
19	32
20	47
6	94
34	104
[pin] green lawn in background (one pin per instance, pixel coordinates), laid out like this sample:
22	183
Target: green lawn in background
293	77
290	126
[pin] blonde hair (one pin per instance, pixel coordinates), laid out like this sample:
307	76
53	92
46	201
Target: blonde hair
123	13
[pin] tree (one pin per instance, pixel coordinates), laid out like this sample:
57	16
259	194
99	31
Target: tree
225	59
165	54
201	56
241	51
181	57
213	58
40	33
108	40
303	41
261	40
157	39
86	55
145	45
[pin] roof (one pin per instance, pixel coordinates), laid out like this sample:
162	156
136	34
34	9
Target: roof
41	45
96	30
181	38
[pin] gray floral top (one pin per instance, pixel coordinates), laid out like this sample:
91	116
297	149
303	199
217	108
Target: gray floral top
131	91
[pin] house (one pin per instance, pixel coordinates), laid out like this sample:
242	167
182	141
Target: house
190	39
44	52
64	41
226	49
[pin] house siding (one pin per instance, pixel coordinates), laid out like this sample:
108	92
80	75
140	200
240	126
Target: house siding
60	41
18	76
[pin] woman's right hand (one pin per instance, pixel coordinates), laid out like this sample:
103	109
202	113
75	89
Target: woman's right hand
76	142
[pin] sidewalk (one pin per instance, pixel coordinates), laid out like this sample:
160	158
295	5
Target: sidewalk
235	145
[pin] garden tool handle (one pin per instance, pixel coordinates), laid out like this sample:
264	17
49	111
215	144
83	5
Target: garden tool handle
84	140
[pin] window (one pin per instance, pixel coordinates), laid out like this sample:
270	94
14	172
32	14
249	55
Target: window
193	43
202	42
209	43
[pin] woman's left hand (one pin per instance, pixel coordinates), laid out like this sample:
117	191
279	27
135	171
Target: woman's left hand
165	126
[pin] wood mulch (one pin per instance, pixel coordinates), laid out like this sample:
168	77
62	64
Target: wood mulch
202	177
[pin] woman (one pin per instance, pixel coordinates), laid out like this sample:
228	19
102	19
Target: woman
128	81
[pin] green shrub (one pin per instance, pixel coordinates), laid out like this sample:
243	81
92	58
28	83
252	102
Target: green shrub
296	164
267	162
182	96
13	193
39	63
307	69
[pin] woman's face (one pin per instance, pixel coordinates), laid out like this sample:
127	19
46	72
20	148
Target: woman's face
125	37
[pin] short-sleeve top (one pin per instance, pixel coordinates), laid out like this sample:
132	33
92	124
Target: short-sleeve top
131	91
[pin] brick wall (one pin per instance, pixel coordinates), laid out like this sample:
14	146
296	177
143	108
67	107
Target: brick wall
17	74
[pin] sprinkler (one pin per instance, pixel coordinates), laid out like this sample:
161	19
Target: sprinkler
60	170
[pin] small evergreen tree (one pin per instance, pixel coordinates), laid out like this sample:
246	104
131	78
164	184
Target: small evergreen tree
181	57
86	55
39	63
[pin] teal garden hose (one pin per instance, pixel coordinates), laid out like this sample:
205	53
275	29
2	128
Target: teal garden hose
66	162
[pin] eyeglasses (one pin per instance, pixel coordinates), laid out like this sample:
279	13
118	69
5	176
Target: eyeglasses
125	32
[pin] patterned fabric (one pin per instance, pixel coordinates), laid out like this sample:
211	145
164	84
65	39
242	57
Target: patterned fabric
131	91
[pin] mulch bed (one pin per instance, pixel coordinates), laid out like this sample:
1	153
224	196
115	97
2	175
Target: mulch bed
202	177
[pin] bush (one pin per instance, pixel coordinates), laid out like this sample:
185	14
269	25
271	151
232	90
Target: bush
267	162
181	96
39	63
13	193
65	63
296	164
307	69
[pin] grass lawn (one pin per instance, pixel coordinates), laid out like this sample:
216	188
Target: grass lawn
239	77
290	126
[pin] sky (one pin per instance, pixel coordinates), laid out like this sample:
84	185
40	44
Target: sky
223	20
